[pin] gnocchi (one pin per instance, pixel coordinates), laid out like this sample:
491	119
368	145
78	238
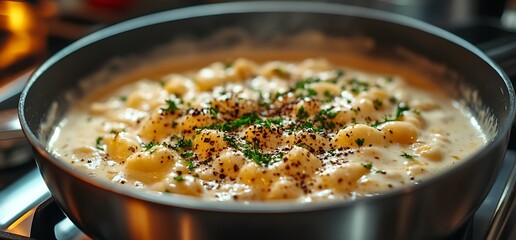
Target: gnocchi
240	130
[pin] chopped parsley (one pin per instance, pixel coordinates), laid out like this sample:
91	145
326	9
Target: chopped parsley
304	83
259	158
172	107
117	131
214	112
358	86
368	165
301	113
389	78
228	64
182	143
328	96
400	109
406	155
360	141
231	142
179	178
253	153
268	122
245	120
281	73
149	146
322	117
328	113
339	73
98	143
187	154
311	92
189	165
377	103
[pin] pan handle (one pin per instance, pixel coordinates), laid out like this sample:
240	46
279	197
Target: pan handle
10	128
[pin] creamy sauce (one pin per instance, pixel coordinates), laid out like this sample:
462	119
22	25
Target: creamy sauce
241	130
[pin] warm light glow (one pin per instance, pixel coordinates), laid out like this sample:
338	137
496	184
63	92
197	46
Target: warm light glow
22	225
186	227
19	15
138	217
26	34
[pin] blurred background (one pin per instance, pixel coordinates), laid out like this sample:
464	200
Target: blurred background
31	30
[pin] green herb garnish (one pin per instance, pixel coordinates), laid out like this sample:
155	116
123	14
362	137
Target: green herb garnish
182	143
281	73
400	109
172	107
149	146
190	165
328	96
117	131
322	117
389	78
301	113
231	141
328	113
268	122
187	154
377	103
339	73
228	64
311	92
98	143
259	158
406	155
393	99
245	120
367	165
214	112
359	141
303	83
357	86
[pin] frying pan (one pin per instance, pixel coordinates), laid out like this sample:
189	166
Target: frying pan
431	209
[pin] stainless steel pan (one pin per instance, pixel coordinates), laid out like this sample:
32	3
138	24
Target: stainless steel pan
433	209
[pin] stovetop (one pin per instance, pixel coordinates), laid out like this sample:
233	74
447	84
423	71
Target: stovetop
27	209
